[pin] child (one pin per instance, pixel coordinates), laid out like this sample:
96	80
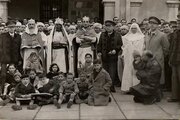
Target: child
11	89
59	79
54	71
10	81
34	79
87	67
99	86
23	93
83	94
47	86
34	62
68	91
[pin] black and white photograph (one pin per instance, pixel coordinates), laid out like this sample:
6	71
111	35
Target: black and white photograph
89	59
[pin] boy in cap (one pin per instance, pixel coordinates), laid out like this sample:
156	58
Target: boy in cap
23	93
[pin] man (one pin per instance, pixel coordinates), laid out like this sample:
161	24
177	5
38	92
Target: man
31	42
146	26
116	20
10	43
98	29
85	42
157	43
174	62
109	47
173	25
58	47
149	73
168	72
123	22
18	29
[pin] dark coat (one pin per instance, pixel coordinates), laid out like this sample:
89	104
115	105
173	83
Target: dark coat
99	88
108	43
23	90
175	48
10	48
149	78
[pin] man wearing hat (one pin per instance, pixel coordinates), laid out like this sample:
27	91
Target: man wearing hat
174	62
10	43
108	48
157	43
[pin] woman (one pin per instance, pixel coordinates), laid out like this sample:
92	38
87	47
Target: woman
132	41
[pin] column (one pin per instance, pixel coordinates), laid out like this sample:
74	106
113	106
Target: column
109	9
173	9
4	9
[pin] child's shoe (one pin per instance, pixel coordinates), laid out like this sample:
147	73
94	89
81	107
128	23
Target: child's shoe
56	104
16	107
70	103
32	107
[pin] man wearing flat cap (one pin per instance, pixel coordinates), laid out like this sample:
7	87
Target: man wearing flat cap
108	48
10	43
157	43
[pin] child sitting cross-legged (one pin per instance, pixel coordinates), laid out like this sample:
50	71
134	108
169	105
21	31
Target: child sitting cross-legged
82	83
49	89
23	93
67	91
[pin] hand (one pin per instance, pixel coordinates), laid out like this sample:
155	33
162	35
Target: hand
82	37
20	62
51	90
99	54
113	52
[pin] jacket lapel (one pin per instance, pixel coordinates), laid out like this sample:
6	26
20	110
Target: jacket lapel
99	75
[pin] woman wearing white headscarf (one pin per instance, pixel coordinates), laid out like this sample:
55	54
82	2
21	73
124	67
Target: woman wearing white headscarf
132	41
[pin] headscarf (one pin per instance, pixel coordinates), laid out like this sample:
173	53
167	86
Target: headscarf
40	24
134	36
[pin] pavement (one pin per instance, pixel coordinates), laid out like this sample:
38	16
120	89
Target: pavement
121	107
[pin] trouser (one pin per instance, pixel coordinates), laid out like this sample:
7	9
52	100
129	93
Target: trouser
66	98
176	82
3	76
111	68
168	74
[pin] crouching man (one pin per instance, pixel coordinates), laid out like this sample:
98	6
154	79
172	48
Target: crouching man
149	74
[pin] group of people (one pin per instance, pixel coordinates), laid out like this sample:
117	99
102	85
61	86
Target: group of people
60	62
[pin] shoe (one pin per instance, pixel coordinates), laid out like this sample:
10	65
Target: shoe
32	107
70	103
16	107
110	99
173	100
136	100
58	106
5	102
113	89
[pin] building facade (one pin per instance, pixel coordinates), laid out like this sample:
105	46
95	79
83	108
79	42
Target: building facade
43	10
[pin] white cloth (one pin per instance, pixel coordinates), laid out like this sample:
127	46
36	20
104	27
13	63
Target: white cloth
71	56
131	42
57	55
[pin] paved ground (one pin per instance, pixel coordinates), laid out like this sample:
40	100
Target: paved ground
122	107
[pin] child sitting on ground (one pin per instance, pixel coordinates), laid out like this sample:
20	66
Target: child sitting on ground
67	91
53	71
59	79
11	89
10	81
34	79
99	86
83	94
47	86
23	93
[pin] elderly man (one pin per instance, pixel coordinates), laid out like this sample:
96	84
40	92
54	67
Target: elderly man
149	73
85	43
174	62
108	48
157	43
98	29
10	43
31	42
